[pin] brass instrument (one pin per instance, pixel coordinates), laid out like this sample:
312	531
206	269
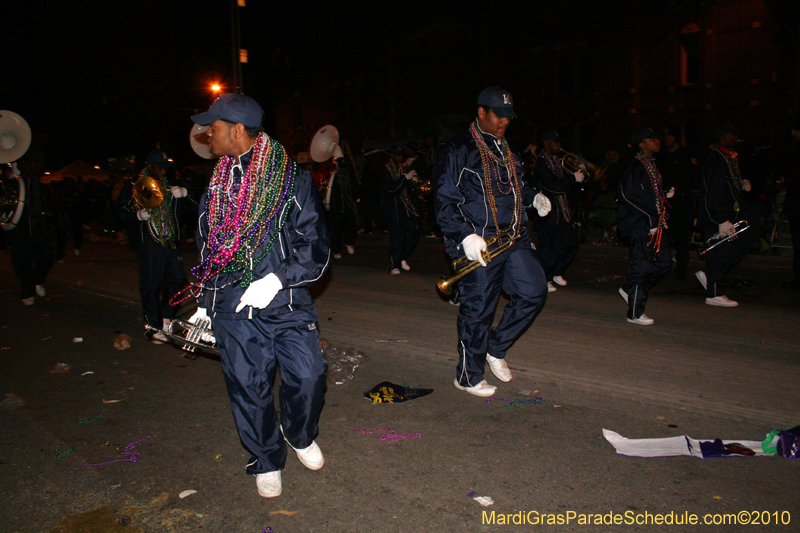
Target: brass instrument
737	228
147	192
422	187
573	163
193	336
462	266
15	139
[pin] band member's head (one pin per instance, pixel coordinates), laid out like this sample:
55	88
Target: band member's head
725	135
495	111
671	137
157	163
646	140
551	142
396	154
235	122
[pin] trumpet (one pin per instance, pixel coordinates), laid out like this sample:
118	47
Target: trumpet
193	336
463	266
737	228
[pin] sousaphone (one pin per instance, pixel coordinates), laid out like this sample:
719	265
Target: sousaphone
198	139
325	145
15	139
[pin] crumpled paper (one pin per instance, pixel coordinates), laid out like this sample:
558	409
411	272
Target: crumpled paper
122	342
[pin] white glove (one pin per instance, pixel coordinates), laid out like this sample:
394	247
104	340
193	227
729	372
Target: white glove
579	176
412	175
143	214
653	231
260	293
746	185
198	315
474	246
178	192
725	228
671	192
542	204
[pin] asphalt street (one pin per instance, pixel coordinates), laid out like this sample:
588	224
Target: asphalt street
122	433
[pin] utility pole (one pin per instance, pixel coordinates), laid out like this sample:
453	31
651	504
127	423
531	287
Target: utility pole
237	54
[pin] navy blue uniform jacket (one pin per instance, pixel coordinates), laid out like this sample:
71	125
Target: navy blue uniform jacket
638	211
718	195
299	258
461	205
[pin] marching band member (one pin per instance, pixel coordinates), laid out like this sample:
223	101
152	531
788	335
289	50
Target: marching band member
263	241
402	215
720	207
642	205
481	193
558	235
156	234
31	252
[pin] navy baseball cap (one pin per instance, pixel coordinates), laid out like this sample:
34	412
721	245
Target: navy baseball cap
551	136
232	107
158	157
499	101
721	130
642	134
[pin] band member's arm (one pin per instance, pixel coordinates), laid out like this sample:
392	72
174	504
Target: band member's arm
637	192
717	197
394	186
449	198
550	182
310	245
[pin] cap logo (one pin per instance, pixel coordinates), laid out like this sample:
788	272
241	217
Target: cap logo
506	99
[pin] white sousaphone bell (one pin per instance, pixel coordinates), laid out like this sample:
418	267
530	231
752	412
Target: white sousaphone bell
325	145
199	141
15	139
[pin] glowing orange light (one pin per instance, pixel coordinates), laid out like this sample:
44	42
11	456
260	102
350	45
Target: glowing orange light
216	88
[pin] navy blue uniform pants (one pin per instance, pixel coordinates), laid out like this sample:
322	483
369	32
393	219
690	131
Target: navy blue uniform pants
643	272
250	350
32	257
722	259
404	235
518	273
558	246
161	276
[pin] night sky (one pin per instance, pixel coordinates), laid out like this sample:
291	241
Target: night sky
108	79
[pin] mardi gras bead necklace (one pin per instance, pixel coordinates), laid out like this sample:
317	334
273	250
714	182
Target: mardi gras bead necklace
162	225
731	159
241	226
655	181
491	173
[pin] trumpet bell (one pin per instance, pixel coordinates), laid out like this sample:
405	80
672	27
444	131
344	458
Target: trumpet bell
324	143
198	139
15	136
147	192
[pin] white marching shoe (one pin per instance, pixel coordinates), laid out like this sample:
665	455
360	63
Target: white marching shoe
482	389
269	484
558	280
721	301
499	368
643	320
